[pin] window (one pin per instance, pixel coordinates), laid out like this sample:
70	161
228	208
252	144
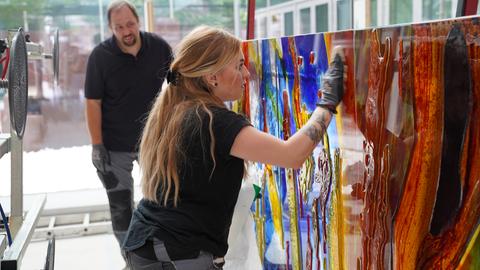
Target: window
337	15
400	11
260	3
305	21
372	19
436	9
321	18
276	26
288	23
56	118
263	28
276	2
344	14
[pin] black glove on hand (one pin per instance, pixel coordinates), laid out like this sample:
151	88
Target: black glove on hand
100	157
332	82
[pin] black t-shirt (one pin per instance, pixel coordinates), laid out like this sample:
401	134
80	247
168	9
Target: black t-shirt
202	218
127	86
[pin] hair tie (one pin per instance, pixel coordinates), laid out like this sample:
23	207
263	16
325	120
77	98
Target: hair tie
172	77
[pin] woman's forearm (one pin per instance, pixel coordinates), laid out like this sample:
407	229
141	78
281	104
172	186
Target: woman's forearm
302	143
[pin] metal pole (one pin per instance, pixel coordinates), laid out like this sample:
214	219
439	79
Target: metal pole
460	6
16	171
170	5
368	15
441	9
16	188
102	26
236	17
25	21
352	15
149	21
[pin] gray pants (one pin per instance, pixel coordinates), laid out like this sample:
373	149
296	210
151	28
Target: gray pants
204	261
118	182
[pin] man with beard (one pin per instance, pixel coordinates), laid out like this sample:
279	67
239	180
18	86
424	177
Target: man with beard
124	75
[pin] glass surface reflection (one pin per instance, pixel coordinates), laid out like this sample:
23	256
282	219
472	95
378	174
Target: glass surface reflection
366	197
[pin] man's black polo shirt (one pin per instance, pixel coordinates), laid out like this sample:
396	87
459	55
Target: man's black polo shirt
127	86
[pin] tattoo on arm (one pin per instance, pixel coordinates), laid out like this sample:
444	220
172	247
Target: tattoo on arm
322	119
312	131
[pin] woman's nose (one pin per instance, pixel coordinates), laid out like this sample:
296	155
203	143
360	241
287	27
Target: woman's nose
246	73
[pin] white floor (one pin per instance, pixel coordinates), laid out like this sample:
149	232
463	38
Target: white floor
101	252
88	252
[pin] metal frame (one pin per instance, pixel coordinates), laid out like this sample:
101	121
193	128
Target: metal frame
13	255
3	244
4	144
13	142
50	261
20	228
73	225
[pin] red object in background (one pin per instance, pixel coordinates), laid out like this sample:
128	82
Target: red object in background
469	7
4	61
251	19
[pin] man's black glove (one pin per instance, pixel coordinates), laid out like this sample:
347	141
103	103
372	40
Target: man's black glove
100	157
332	82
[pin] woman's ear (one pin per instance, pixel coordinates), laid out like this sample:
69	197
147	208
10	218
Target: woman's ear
211	79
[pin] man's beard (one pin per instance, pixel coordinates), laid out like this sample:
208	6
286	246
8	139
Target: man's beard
131	43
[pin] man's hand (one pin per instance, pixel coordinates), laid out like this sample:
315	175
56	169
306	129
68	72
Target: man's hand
332	82
100	157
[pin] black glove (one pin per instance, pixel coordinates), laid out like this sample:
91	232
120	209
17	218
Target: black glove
332	82
100	157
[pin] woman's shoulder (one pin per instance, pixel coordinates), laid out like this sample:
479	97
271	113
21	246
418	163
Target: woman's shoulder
218	114
227	114
213	110
222	110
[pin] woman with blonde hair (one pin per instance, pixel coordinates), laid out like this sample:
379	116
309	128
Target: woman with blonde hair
193	149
